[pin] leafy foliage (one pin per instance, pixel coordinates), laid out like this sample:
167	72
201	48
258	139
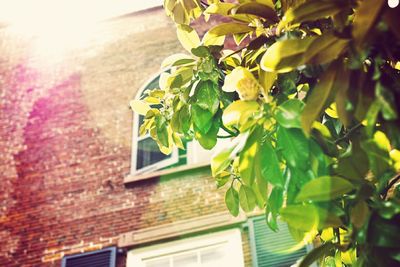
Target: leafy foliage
310	100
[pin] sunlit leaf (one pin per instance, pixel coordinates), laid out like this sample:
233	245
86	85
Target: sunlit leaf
269	164
288	113
229	28
324	188
140	107
259	10
247	198
187	36
247	156
284	56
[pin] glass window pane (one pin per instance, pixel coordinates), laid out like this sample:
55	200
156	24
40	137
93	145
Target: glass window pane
158	263
148	153
185	260
215	257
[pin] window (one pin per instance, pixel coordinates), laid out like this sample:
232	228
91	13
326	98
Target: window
99	258
146	156
273	249
212	250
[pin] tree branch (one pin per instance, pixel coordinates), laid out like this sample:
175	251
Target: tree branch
348	134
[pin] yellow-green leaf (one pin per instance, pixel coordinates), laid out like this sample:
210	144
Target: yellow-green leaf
139	106
247	156
219	8
209	39
324	188
188	37
319	96
232	201
229	28
239	109
259	10
325	48
284	56
310	11
247	198
267	80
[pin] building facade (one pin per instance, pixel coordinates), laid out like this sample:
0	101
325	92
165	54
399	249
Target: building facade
68	192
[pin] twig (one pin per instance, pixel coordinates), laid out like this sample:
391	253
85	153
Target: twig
229	131
347	135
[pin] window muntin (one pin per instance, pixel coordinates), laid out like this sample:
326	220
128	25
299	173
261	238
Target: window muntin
212	250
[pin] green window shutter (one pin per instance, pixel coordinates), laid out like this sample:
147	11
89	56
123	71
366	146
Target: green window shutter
270	249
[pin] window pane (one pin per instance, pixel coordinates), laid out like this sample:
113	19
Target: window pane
148	153
186	260
158	263
215	257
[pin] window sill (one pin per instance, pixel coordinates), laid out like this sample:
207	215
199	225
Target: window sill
132	178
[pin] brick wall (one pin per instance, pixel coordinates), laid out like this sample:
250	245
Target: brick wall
65	130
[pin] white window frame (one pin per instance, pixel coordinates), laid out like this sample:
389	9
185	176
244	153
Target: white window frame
174	157
232	237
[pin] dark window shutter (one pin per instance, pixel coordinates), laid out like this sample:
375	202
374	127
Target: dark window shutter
99	258
270	249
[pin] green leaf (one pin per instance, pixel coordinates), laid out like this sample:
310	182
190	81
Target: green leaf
259	188
286	55
232	201
365	17
316	254
269	164
318	99
386	99
207	96
201	51
354	166
247	198
229	28
324	188
162	132
247	156
202	118
288	113
294	146
377	150
342	100
187	36
258	10
209	139
140	107
359	214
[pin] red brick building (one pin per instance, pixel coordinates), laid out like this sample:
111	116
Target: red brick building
66	182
